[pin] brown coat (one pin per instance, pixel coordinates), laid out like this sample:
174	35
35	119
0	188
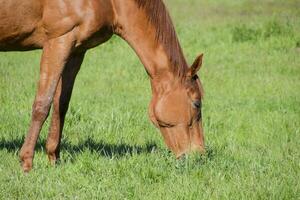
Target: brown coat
66	29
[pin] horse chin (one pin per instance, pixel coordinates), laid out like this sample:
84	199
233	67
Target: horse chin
191	150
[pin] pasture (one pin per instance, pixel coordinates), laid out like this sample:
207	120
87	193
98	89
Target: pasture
110	149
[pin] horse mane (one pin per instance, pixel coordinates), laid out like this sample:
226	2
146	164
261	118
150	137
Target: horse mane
159	17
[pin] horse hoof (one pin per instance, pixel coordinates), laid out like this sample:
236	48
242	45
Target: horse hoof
26	166
52	159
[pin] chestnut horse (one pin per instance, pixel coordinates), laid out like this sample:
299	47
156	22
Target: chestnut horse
66	29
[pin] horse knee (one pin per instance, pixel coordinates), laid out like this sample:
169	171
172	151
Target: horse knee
40	110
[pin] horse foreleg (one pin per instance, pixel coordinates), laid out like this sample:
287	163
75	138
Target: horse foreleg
55	55
60	105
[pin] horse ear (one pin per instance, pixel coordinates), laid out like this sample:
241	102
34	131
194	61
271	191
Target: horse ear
196	66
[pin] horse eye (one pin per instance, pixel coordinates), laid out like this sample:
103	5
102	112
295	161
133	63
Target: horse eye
197	104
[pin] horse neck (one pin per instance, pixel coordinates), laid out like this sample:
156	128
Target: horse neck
133	25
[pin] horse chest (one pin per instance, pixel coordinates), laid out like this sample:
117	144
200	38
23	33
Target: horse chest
96	27
94	38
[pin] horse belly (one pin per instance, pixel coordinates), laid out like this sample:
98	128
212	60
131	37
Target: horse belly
20	25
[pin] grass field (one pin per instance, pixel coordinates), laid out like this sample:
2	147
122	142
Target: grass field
110	150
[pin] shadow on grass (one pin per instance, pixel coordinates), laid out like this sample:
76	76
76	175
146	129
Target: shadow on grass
104	149
115	151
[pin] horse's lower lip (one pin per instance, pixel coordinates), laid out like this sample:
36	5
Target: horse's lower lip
182	156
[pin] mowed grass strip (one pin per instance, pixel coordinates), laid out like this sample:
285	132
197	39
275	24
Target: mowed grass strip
110	150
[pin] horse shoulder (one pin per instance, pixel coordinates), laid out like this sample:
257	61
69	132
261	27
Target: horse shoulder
89	19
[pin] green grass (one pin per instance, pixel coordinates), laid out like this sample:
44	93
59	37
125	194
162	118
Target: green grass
110	150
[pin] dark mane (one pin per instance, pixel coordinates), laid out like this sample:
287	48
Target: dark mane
165	32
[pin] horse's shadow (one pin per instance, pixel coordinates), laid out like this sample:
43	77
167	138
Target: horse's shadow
102	148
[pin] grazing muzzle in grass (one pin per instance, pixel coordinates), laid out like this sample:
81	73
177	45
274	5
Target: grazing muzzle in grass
176	112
